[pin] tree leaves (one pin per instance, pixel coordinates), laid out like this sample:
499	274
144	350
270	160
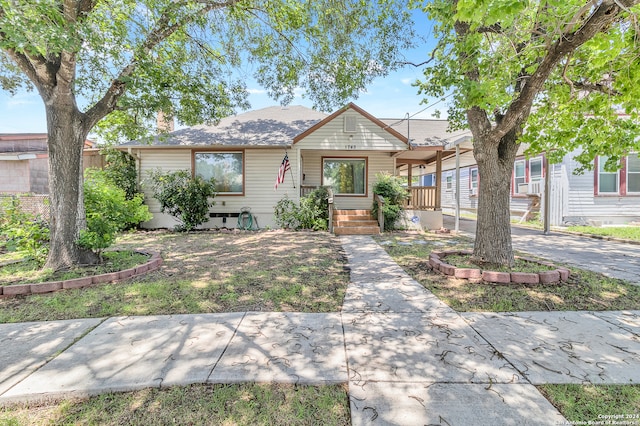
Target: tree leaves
504	45
183	57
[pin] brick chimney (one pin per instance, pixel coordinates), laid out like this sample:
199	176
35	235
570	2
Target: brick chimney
165	123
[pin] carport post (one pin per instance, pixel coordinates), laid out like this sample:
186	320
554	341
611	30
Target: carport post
457	221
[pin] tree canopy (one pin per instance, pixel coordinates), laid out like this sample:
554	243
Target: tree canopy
186	58
574	62
555	74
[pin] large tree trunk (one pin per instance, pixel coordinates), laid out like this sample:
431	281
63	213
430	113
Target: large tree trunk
493	232
66	137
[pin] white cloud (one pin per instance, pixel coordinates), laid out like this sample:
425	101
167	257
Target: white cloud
256	91
408	81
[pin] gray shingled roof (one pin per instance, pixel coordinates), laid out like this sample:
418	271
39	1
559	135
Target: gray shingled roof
272	126
426	132
277	126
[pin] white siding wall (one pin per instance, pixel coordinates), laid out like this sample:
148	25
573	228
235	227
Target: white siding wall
584	205
376	162
368	136
261	168
449	195
331	140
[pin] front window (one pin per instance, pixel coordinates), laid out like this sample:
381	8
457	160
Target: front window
226	168
449	182
633	173
535	169
519	176
474	180
346	176
607	181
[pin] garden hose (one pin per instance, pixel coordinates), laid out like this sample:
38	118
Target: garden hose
245	219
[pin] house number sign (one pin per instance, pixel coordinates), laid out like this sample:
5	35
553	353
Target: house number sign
349	147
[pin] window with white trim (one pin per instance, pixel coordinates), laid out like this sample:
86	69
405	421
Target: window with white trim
225	167
519	176
608	182
346	176
633	173
535	169
448	182
473	181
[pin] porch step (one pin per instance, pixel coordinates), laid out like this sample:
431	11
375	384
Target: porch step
359	222
354	222
356	230
352	212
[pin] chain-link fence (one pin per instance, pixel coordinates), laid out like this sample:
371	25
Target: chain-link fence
35	204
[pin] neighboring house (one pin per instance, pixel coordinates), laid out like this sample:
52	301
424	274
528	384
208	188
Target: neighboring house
345	150
594	197
24	162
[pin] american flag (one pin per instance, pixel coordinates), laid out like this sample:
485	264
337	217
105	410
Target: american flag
284	167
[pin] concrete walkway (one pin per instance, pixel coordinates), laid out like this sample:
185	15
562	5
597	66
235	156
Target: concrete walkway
408	358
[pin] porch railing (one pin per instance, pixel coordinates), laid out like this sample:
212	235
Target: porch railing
379	200
331	206
306	190
422	198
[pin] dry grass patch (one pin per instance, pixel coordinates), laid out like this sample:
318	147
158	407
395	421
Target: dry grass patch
208	272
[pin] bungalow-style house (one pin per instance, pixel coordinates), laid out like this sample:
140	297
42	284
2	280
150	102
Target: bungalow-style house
595	197
24	162
344	150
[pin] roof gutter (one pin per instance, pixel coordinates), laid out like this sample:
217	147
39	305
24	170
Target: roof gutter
17	157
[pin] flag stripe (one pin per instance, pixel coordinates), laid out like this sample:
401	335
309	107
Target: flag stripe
284	167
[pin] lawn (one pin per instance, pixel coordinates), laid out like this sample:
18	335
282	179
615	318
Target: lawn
207	272
284	271
585	290
242	404
24	271
622	232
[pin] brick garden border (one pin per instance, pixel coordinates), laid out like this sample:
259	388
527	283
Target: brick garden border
150	265
437	263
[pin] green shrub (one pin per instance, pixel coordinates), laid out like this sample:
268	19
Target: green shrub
108	211
311	213
120	168
184	197
22	231
390	188
286	214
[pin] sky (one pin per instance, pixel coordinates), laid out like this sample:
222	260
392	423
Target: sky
390	97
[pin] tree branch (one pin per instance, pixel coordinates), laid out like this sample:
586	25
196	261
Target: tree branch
601	17
478	119
164	28
432	57
595	87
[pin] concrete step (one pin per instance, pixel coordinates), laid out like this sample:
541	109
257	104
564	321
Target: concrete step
356	230
344	217
352	212
363	222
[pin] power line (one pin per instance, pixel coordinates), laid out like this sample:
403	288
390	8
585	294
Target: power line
419	112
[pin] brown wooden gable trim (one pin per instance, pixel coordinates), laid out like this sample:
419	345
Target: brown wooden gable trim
359	110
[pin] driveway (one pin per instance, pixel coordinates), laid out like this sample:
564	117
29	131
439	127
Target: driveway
613	259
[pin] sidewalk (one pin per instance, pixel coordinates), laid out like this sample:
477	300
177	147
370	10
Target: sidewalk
408	358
